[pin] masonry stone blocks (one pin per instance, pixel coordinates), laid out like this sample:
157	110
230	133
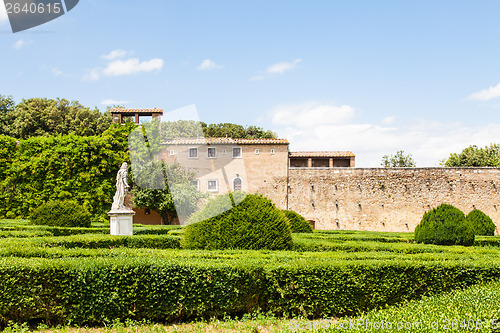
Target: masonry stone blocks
383	199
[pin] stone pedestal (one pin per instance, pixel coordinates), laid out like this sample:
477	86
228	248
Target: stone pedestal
121	222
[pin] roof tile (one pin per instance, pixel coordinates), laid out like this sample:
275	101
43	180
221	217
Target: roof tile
322	154
224	141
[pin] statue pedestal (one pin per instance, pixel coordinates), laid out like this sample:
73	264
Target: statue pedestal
121	222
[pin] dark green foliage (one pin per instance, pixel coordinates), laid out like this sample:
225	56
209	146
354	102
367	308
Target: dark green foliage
7	106
483	225
176	196
235	131
44	117
255	223
59	168
97	290
445	225
297	222
61	213
474	156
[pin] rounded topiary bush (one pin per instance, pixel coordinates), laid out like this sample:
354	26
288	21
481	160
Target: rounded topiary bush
483	225
445	225
61	213
253	223
297	222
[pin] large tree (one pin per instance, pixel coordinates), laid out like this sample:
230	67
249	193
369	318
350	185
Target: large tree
400	159
235	131
474	156
166	190
45	117
7	106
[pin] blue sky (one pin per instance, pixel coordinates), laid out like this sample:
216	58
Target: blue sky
372	77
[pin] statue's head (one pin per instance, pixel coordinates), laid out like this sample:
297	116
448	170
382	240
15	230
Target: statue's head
124	165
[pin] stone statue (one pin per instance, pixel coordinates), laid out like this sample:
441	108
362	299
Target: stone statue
121	189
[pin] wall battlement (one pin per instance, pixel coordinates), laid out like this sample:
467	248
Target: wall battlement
384	199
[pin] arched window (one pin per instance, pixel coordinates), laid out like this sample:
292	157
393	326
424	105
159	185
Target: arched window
237	183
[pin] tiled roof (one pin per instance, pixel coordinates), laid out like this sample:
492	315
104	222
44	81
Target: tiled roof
120	110
224	141
322	154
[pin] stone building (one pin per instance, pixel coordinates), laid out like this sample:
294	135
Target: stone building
326	188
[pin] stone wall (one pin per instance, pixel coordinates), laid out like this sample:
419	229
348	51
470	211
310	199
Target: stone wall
384	199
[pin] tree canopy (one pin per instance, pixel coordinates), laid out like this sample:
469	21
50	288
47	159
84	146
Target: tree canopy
171	199
44	117
400	159
7	106
474	156
235	131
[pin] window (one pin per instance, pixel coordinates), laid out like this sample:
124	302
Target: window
171	153
237	152
224	152
272	151
212	185
257	152
237	184
212	153
195	183
193	153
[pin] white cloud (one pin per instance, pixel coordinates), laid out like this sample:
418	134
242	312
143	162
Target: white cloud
276	69
113	102
122	67
116	54
20	44
93	74
486	94
282	67
57	72
132	66
428	141
389	120
311	114
208	64
3	13
257	78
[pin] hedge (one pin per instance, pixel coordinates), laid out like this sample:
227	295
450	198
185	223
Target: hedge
95	291
475	309
255	223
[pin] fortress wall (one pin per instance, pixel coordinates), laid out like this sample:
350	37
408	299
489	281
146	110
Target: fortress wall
384	199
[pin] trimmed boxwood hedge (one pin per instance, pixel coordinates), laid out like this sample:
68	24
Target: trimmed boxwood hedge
483	225
445	225
61	213
298	223
253	224
96	291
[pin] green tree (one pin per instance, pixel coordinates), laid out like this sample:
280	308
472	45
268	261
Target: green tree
45	117
181	129
62	167
169	199
474	156
7	106
400	159
235	131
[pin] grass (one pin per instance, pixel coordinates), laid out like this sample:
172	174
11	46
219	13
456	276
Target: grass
476	309
249	324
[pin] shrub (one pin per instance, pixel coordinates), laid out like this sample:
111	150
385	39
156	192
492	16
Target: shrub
255	223
445	225
483	225
297	222
65	213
